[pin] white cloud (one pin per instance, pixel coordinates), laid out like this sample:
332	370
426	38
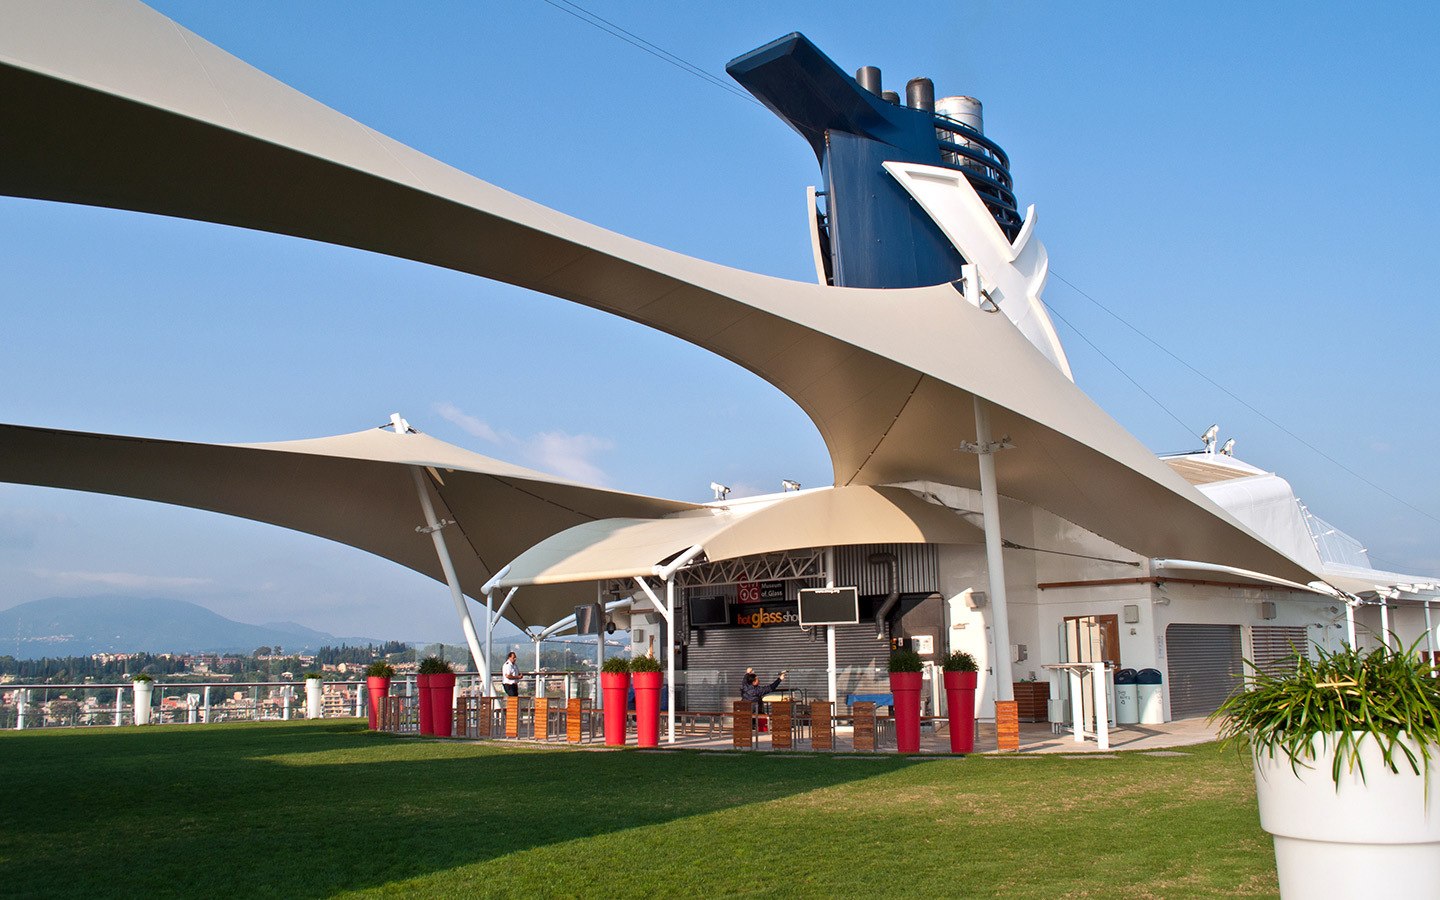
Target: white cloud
569	455
132	580
557	452
468	423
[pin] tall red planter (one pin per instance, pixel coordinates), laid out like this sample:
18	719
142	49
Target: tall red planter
616	686
378	689
442	703
647	708
960	707
422	687
906	688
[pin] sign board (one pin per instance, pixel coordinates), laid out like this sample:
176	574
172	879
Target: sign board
708	611
923	644
760	592
829	606
589	618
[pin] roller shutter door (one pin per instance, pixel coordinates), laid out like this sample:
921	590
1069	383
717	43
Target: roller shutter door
1204	667
1276	646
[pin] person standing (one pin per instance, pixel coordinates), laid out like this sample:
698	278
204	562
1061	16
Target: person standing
510	675
751	689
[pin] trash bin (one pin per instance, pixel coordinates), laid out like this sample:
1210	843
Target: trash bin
1127	698
1152	708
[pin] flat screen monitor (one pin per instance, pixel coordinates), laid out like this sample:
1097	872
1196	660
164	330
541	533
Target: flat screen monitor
829	606
708	611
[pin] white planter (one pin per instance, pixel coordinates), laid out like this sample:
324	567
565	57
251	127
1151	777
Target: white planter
1374	838
143	690
314	698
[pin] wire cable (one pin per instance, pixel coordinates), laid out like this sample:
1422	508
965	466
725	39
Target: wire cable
634	40
1141	388
1233	396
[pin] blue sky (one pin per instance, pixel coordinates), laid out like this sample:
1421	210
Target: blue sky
1251	186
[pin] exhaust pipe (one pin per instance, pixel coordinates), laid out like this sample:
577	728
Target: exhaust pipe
893	597
869	78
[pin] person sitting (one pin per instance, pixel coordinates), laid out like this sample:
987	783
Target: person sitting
751	689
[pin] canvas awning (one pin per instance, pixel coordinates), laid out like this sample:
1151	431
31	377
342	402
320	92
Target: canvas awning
117	106
353	488
826	517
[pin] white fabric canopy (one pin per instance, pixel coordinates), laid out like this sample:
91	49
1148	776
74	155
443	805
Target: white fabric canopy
114	105
827	517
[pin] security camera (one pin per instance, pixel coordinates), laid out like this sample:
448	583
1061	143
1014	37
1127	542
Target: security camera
721	491
788	485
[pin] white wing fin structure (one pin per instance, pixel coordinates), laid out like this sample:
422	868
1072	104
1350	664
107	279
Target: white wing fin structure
1013	275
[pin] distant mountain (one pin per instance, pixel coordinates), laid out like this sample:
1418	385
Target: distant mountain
79	626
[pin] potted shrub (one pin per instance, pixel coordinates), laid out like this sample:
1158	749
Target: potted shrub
144	687
314	695
905	683
615	683
645	675
961	676
1343	750
377	686
437	696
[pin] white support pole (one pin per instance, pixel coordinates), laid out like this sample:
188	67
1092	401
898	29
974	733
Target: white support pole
831	669
485	687
599	648
670	660
539	679
1385	622
119	700
1350	623
207	704
1077	703
994	555
1102	705
433	526
1430	638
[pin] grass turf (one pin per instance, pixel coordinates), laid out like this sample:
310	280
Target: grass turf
317	809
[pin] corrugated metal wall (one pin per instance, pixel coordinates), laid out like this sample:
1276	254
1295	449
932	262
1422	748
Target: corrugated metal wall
1204	667
1275	647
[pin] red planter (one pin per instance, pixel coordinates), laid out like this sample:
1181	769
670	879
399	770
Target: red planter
422	687
616	686
378	689
960	707
442	703
906	688
647	708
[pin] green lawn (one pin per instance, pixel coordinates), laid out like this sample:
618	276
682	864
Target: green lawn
316	809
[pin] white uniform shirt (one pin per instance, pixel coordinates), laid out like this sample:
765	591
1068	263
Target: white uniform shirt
510	673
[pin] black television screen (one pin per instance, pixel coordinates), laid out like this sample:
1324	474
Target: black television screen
708	611
829	606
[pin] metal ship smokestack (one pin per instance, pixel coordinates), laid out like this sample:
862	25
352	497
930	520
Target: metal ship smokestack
870	233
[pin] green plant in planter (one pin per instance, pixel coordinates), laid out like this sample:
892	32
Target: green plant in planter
380	669
434	665
616	665
141	676
318	676
959	661
906	661
645	664
1348	693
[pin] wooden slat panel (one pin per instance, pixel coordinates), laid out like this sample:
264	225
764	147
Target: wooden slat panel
512	717
484	716
782	721
574	731
462	716
864	715
1007	724
742	733
822	726
542	719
